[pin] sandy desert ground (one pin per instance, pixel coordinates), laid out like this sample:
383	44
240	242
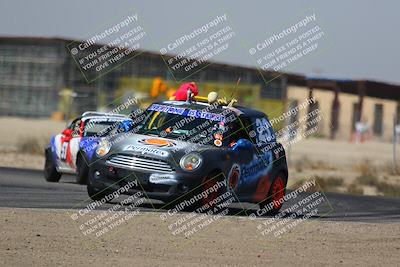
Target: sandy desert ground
33	237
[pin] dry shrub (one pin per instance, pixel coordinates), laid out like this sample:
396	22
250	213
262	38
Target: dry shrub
389	169
385	188
389	190
32	144
305	163
366	168
355	189
369	180
329	184
321	165
334	181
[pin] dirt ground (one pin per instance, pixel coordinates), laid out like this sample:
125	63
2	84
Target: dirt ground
49	237
13	130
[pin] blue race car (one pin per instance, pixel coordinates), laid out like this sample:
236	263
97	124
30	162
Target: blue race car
193	154
71	151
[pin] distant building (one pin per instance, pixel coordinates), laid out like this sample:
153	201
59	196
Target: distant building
33	71
344	104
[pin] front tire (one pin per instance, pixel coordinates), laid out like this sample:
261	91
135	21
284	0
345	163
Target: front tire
50	171
209	202
82	169
96	194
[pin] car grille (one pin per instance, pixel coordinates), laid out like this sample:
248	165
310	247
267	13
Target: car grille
139	163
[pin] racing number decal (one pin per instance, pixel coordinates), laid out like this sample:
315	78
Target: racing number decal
64	150
264	134
65	153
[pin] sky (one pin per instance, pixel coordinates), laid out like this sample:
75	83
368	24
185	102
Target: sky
361	38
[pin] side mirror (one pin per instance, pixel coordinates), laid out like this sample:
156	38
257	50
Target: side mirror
245	150
67	132
126	125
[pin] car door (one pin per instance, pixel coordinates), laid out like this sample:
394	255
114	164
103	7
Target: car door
69	145
237	182
246	169
263	137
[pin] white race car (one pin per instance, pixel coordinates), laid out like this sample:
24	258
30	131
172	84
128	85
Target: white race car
72	150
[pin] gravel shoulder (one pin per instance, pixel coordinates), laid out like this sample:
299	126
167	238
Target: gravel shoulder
43	237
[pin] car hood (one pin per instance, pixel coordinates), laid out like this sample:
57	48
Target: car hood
152	146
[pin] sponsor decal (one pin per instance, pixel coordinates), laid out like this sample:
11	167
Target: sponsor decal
261	165
157	142
157	178
201	114
234	176
167	109
217	142
106	119
198	114
146	150
217	133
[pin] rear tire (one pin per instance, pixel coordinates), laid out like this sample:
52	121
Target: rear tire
82	169
275	195
50	171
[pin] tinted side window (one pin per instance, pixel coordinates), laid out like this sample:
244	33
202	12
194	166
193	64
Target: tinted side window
248	127
75	125
237	131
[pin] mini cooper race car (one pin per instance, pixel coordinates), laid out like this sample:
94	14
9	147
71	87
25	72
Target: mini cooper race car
70	151
185	148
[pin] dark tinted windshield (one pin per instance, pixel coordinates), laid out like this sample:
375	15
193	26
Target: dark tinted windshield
196	126
99	128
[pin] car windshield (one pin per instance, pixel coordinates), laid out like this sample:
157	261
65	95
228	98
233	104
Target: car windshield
194	126
99	128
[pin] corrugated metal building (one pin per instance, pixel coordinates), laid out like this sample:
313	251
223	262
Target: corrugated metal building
34	70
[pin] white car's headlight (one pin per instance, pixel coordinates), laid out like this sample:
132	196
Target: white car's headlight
191	162
103	148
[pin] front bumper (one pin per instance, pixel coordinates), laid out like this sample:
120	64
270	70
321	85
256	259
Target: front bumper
161	186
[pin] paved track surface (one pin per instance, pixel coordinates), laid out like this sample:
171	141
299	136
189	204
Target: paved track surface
21	188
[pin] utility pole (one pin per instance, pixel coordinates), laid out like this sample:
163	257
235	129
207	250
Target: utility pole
396	133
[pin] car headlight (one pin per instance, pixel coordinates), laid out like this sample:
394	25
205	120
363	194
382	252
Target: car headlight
103	148
191	162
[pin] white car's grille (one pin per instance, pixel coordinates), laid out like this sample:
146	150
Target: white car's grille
139	163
